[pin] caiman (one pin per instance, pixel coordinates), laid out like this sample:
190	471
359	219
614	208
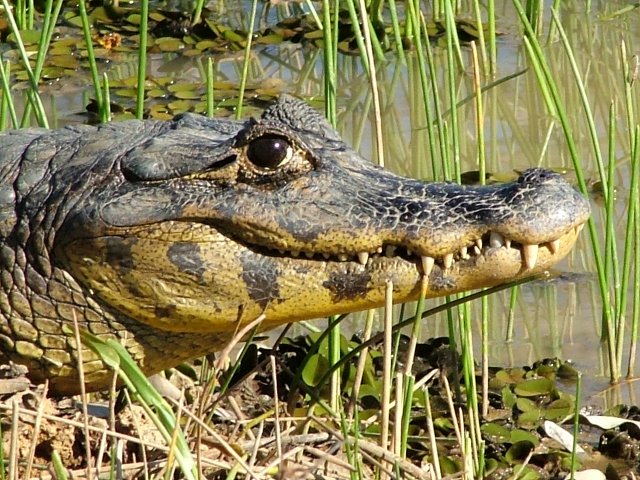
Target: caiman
170	235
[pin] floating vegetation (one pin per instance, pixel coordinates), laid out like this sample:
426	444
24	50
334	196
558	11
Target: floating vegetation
116	42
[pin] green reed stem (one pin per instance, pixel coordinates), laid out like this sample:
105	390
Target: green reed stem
7	98
210	93
329	52
397	35
635	314
246	60
33	92
106	95
493	51
142	58
93	66
196	14
49	19
576	426
628	251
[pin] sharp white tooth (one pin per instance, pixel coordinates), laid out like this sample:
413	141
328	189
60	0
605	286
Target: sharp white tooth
379	250
463	253
554	245
309	254
427	264
390	251
476	250
326	256
530	254
479	243
295	253
496	240
409	252
363	257
507	243
448	260
342	257
281	252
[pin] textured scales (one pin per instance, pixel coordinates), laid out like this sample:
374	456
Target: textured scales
170	235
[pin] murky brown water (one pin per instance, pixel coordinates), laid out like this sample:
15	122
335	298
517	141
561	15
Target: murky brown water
555	318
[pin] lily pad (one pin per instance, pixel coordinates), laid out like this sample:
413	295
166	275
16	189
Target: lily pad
534	387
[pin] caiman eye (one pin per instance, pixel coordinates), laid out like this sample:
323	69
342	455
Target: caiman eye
269	151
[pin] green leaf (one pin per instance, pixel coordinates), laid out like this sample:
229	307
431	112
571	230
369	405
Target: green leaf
534	387
315	369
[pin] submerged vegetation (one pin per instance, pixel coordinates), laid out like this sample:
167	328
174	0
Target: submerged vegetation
461	89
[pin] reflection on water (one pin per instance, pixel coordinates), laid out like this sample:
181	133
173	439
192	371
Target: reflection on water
559	317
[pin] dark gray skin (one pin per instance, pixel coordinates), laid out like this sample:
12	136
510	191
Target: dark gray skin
170	236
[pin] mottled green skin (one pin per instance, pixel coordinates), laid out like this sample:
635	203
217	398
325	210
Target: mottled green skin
169	237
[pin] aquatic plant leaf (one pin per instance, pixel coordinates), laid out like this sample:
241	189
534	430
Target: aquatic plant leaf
558	409
518	451
508	398
526	405
449	466
496	433
534	387
519	435
315	369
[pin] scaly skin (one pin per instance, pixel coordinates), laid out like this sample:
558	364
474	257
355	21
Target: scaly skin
170	235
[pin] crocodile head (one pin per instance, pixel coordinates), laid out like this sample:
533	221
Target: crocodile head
279	217
169	236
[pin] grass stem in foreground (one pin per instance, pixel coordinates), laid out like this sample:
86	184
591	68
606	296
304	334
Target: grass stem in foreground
246	60
86	29
142	58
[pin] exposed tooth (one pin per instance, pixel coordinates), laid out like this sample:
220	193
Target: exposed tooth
281	252
507	242
496	240
476	250
554	245
379	250
479	243
390	251
427	264
363	257
530	254
295	253
326	256
309	254
463	253
342	257
409	252
448	260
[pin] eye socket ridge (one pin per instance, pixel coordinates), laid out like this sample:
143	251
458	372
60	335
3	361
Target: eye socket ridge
269	151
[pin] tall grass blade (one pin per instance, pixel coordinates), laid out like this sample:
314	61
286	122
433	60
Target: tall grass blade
7	98
329	55
93	66
143	33
33	92
247	59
